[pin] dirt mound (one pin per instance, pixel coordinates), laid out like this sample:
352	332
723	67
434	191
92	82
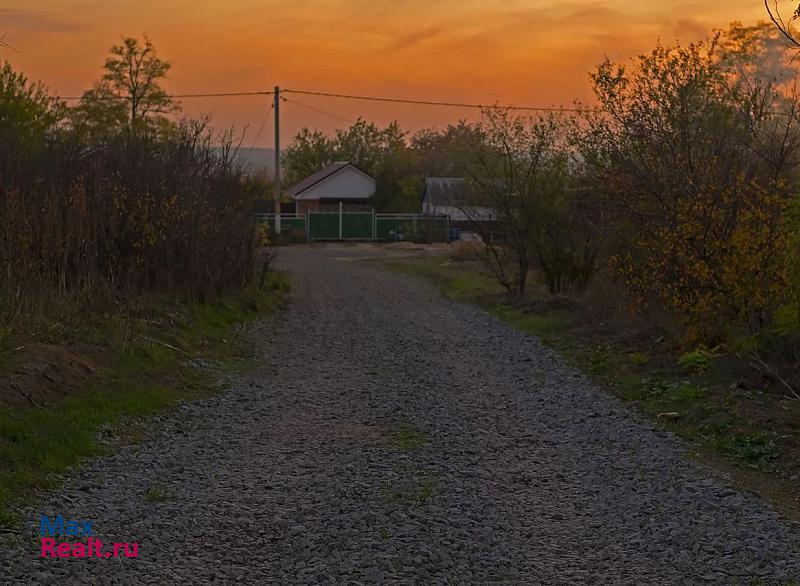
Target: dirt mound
47	373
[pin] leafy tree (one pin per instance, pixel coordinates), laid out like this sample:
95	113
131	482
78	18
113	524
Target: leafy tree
696	158
98	116
28	117
757	53
369	147
445	153
129	92
398	186
310	152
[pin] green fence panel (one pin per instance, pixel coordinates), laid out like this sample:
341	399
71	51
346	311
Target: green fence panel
431	230
356	226
419	229
386	228
363	226
323	226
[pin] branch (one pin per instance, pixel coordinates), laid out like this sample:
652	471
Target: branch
4	43
776	18
769	370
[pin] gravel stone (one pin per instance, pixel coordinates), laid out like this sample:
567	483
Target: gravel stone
517	469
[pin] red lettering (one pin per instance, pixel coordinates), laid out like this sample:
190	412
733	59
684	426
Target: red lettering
48	545
63	549
78	550
94	547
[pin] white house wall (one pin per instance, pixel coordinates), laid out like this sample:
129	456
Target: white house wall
348	183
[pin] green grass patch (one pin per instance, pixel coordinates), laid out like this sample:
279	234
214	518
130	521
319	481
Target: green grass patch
409	491
547	326
755	449
409	486
452	281
149	363
158	494
405	437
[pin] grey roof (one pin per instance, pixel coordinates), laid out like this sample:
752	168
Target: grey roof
447	191
317	177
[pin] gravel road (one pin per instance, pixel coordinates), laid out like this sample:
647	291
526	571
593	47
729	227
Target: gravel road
392	436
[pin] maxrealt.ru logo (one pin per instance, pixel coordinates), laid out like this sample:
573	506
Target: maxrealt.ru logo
83	529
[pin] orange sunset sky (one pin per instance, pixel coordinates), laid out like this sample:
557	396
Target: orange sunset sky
524	52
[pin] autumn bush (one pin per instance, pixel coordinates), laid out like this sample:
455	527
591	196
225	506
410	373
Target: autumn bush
134	213
696	152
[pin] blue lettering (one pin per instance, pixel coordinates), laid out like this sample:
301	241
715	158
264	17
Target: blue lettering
48	527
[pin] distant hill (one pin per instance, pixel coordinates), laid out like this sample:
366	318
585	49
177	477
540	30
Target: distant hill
256	159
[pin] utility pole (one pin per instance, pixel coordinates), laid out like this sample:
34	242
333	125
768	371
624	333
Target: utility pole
277	196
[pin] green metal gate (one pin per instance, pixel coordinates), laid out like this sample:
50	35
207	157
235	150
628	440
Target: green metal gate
357	226
323	226
365	226
340	226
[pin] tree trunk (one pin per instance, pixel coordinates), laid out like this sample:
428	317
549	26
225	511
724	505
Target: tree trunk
522	277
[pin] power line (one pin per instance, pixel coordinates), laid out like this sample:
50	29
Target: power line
434	103
263	123
418	102
221	95
318	110
178	96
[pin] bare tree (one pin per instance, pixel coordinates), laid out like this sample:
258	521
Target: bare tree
518	169
784	26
